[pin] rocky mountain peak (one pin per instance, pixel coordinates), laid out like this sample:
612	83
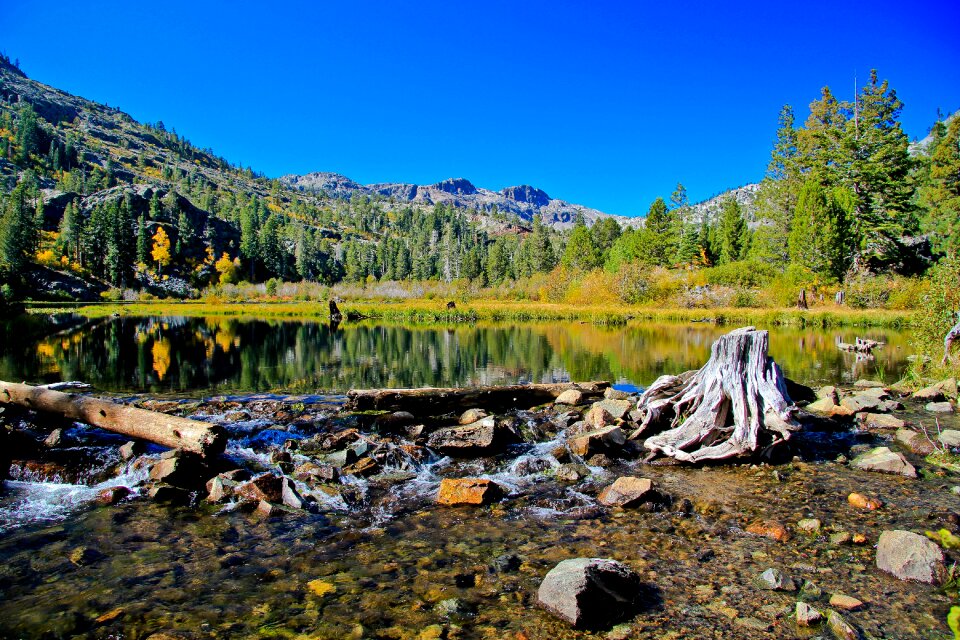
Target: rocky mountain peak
456	186
526	193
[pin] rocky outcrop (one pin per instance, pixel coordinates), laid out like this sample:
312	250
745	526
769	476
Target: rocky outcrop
590	593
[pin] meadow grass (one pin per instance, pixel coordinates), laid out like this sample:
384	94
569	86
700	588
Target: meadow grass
434	311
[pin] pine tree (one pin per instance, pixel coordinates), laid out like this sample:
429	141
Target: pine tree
820	239
580	252
142	242
18	227
942	193
733	231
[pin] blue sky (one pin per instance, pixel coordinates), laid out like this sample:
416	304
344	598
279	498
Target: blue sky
599	103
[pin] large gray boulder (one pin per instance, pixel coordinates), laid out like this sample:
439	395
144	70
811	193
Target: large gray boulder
910	556
590	593
484	437
883	460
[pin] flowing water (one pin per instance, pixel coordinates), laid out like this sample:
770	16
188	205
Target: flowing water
377	558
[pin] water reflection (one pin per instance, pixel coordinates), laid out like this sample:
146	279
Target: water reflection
173	354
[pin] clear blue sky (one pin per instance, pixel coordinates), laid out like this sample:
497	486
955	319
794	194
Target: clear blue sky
599	103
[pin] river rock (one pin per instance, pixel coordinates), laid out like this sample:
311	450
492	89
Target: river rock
590	593
469	491
939	407
847	603
132	449
914	441
266	487
629	492
598	417
810	526
823	405
910	556
860	402
571	472
169	494
179	469
860	501
950	438
618	409
55	439
364	467
882	421
840	628
600	441
775	580
311	471
112	495
945	389
867	384
220	488
883	460
807	616
393	422
828	392
769	529
880	393
472	415
570	396
615	394
484	437
290	496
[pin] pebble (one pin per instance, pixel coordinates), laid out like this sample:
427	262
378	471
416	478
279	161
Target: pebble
809	525
847	603
861	501
775	580
769	529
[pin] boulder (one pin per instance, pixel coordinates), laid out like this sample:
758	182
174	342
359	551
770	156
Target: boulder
571	472
823	405
364	467
883	460
910	556
265	487
829	392
132	449
879	393
775	580
590	593
914	441
393	422
179	469
861	402
945	389
600	441
290	496
570	396
882	421
950	438
939	407
472	415
310	471
598	417
469	491
629	492
615	394
484	437
220	488
112	495
169	494
867	384
618	409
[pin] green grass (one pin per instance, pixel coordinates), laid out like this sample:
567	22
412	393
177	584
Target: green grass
430	311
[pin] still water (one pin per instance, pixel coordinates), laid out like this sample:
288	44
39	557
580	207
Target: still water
196	356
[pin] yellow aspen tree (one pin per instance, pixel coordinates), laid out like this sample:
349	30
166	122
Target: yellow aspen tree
161	248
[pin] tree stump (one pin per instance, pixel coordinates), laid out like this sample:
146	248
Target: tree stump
735	405
952	336
802	300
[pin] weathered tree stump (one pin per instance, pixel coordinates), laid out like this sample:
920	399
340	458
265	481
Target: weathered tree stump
802	300
737	404
335	315
952	336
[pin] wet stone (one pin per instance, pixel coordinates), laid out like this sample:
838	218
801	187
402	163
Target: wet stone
883	460
132	449
910	556
629	492
840	628
55	439
866	503
882	421
810	591
364	467
939	407
480	438
769	529
598	417
506	563
266	487
590	592
571	472
774	580
840	538
112	495
823	405
615	394
316	472
914	441
220	488
472	415
617	409
829	391
807	616
290	496
845	602
859	403
809	525
169	494
469	491
570	396
599	441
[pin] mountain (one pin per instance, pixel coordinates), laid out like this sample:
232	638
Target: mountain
523	201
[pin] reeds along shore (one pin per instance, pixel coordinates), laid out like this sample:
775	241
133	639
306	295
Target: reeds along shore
436	311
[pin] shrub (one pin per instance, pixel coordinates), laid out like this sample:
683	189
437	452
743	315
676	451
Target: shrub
745	273
934	319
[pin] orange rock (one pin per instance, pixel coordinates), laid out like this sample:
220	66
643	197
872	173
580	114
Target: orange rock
478	491
112	495
861	501
859	538
769	529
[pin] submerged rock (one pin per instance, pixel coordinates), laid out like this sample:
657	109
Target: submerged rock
774	580
807	616
112	495
590	592
629	492
910	556
847	603
469	491
840	628
914	441
883	460
769	529
861	501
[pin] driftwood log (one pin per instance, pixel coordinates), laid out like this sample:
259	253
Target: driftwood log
432	401
167	431
736	405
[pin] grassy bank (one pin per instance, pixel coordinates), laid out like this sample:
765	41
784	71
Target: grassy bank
433	311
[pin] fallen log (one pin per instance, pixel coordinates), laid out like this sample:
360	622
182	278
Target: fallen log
862	345
736	404
167	431
431	401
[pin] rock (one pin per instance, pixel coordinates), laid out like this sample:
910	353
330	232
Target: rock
823	405
860	402
364	467
310	471
880	393
882	421
55	439
472	415
890	405
474	491
393	422
599	441
267	509
615	394
485	437
829	392
945	389
629	492
769	529
453	607
867	384
883	460
132	449
807	616
590	593
861	501
840	538
840	628
914	441
939	407
618	409
290	496
82	556
774	580
910	556
570	396
266	487
598	417
846	603
169	494
810	526
112	495
220	488
506	563
179	469
571	472
320	587
810	591
950	438
341	458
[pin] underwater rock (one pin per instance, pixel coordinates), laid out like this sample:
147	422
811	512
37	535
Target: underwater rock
769	529
774	580
847	603
840	628
866	503
810	526
883	460
590	592
112	495
910	556
807	616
